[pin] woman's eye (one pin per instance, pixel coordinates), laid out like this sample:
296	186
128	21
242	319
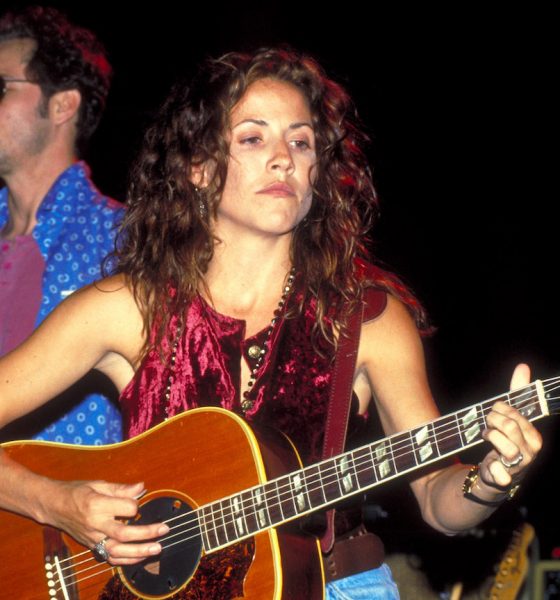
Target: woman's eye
250	140
301	144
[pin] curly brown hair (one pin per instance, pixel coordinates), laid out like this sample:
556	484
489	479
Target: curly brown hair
166	242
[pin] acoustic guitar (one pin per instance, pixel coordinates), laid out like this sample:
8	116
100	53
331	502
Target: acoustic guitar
230	496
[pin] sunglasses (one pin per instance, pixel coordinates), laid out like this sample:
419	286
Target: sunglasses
5	80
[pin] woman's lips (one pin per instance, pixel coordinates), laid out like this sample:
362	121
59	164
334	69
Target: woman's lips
278	189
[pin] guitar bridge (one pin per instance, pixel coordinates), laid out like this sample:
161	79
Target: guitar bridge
60	579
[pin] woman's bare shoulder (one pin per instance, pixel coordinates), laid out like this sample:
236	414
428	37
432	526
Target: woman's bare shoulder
391	355
98	322
114	288
108	299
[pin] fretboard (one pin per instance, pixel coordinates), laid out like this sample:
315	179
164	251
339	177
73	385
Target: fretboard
290	496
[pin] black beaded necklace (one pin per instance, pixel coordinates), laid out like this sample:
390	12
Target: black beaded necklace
259	352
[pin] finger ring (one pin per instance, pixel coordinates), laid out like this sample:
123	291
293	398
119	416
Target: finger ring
513	463
100	551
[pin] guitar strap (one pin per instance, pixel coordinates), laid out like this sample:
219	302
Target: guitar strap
341	389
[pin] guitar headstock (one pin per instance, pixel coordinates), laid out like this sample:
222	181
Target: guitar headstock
514	566
536	400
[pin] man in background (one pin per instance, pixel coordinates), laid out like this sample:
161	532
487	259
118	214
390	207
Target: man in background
55	226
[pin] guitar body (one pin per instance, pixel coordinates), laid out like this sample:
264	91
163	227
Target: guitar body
189	461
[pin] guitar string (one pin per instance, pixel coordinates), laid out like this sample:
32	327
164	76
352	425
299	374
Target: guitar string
324	477
449	418
285	492
396	447
109	568
69	585
394	454
230	512
105	569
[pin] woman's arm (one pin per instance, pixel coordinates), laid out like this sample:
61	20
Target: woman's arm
92	328
99	326
392	356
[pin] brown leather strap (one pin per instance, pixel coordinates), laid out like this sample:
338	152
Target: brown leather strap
339	405
341	388
355	552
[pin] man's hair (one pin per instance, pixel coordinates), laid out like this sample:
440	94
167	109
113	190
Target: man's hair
66	57
166	242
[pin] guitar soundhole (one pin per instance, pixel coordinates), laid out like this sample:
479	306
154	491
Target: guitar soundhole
182	548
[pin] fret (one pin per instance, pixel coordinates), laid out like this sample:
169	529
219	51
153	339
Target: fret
335	476
469	425
487	406
424	441
527	401
239	521
249	512
228	526
513	399
212	530
218	531
286	498
364	467
346	474
331	489
299	491
402	448
314	484
204	518
382	455
448	436
262	513
272	502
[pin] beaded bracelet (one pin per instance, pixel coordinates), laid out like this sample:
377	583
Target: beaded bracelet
468	485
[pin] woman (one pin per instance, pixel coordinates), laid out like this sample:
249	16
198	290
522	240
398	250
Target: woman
240	259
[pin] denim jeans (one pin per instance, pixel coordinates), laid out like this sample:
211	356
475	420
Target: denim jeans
377	584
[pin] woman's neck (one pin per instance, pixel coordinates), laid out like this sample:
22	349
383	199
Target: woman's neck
246	284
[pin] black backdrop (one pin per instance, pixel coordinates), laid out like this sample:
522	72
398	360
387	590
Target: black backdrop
458	103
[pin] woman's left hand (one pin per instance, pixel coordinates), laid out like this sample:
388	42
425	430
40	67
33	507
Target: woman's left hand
516	441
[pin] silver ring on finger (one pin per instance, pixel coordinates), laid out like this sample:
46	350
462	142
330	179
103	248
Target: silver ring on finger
513	463
100	551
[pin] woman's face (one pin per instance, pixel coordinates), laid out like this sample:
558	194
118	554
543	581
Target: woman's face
267	190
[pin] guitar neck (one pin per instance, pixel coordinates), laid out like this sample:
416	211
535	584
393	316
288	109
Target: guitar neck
301	492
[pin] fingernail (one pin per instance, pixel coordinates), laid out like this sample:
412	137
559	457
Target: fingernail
155	549
163	530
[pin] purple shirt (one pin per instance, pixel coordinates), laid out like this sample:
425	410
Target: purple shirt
21	275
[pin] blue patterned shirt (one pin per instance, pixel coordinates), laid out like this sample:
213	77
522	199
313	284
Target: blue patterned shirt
75	230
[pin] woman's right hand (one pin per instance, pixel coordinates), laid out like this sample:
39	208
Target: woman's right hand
93	511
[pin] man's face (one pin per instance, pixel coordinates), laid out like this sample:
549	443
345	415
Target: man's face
24	133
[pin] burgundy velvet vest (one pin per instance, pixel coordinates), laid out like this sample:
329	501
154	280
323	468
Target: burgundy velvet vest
291	391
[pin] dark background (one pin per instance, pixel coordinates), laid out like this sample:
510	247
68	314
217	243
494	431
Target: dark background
458	103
